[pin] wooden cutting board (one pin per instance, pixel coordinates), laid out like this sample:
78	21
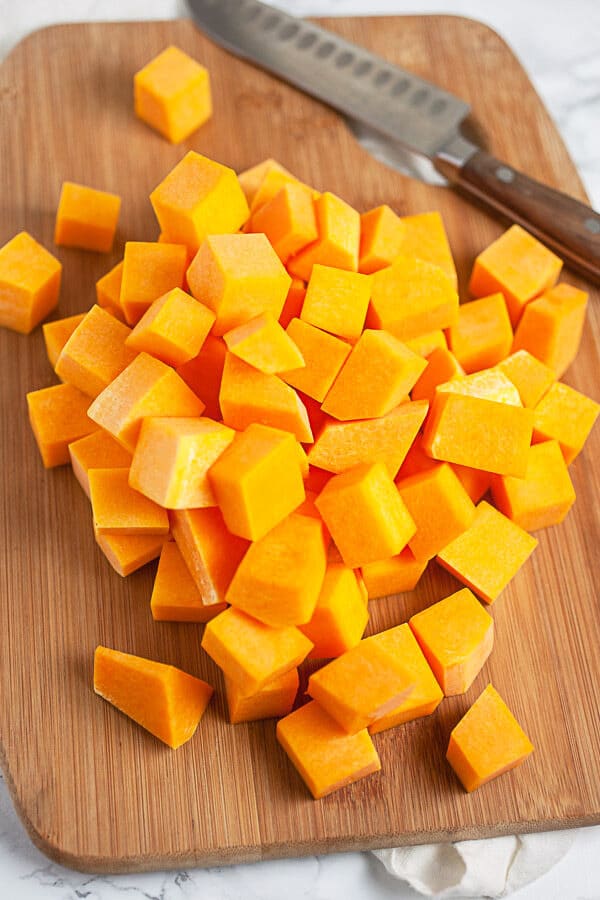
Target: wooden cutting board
94	790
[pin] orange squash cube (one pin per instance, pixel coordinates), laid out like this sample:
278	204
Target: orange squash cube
251	179
173	328
426	343
338	225
29	283
58	416
476	482
483	335
86	218
442	366
489	384
456	635
175	596
567	416
424	237
164	700
150	270
204	372
97	450
108	291
271	184
337	301
323	355
119	509
273	701
394	575
172	94
127	553
365	514
326	757
250	653
551	327
197	198
57	333
487	742
531	377
263	343
293	302
340	617
288	220
416	460
375	378
517	265
381	232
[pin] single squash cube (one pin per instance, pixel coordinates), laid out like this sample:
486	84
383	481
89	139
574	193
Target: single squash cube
337	301
273	701
211	552
262	343
162	699
175	596
197	198
186	448
531	377
426	694
489	384
281	575
257	481
58	416
172	94
29	283
551	326
86	218
288	220
395	575
517	265
375	378
119	509
204	372
293	302
476	482
95	353
97	450
173	328
545	494
442	366
424	237
567	416
426	343
483	335
439	506
365	514
340	617
338	225
251	179
323	355
108	291
150	270
487	742
272	183
456	635
250	653
381	232
489	553
57	333
326	757
129	552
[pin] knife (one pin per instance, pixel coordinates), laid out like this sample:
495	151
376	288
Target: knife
408	122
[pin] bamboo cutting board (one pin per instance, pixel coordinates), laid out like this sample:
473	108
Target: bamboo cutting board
94	790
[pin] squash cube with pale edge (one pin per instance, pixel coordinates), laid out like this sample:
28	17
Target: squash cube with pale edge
544	496
58	416
108	291
365	514
337	301
95	353
263	343
439	506
252	178
326	757
395	575
257	481
442	366
172	94
323	355
531	377
162	699
456	635
281	575
127	553
488	554
251	653
288	220
238	276
381	234
204	372
57	333
487	742
551	326
517	265
86	218
567	416
365	683
97	450
410	298
150	270
375	378
489	384
247	396
338	225
198	197
340	616
173	328
119	509
147	387
175	596
211	552
483	334
424	237
426	694
172	458
274	700
29	283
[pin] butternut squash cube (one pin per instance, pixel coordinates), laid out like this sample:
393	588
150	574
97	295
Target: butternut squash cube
553	326
424	237
395	575
172	94
336	301
198	197
150	270
531	377
567	416
281	575
381	232
164	700
119	509
487	741
340	616
365	514
251	653
97	450
426	694
175	596
29	283
426	343
288	220
273	701
326	757
58	416
108	291
375	378
57	333
204	372
173	328
517	265
489	384
293	302
442	366
456	635
338	225
262	343
323	355
488	554
251	179
483	335
476	482
271	184
86	218
257	481
129	552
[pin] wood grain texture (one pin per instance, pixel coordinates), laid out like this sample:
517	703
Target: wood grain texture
94	790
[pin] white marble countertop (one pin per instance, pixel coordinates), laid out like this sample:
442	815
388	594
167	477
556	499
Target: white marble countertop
559	45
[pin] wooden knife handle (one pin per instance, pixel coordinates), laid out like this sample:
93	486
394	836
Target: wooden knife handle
568	226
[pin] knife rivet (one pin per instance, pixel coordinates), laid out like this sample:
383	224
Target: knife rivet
592	225
503	173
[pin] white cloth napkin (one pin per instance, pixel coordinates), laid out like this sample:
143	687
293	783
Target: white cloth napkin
488	868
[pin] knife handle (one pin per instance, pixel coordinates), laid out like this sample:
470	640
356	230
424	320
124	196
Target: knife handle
568	226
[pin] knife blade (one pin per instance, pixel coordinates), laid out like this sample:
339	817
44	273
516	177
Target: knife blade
401	115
